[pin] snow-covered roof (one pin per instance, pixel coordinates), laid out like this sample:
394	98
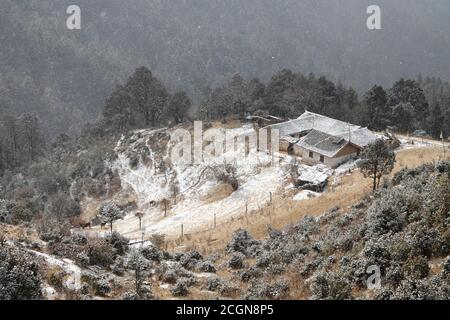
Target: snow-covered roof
308	121
290	139
316	174
322	143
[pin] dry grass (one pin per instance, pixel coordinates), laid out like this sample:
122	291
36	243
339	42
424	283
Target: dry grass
284	211
218	193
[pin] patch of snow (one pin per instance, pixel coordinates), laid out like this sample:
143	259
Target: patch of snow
315	174
73	282
305	194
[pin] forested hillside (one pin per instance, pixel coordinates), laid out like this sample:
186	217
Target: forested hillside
64	76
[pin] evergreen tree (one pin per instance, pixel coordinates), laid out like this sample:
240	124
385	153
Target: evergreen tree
118	109
377	160
402	117
139	265
409	91
436	121
376	112
33	140
178	106
148	95
110	212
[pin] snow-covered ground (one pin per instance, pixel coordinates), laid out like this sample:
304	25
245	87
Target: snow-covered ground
196	207
305	194
257	177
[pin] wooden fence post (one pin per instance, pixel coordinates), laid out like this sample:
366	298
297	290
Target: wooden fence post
165	208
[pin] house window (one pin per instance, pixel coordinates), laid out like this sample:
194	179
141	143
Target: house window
311	154
322	159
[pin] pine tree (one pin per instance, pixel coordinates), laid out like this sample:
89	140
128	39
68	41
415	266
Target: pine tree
436	121
110	212
178	106
376	112
377	160
148	95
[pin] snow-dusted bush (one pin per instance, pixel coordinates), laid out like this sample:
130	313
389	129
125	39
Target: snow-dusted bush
169	276
119	242
100	252
291	250
422	239
137	262
118	267
416	267
394	274
388	214
78	239
102	287
152	253
264	259
276	268
130	296
274	233
180	289
447	266
19	276
308	268
214	284
306	227
190	259
205	266
241	241
236	261
377	252
329	285
383	294
250	274
82	259
260	289
413	289
354	269
170	273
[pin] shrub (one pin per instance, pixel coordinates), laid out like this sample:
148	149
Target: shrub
119	242
102	287
241	241
170	276
189	260
152	253
262	290
19	276
417	267
236	261
205	266
330	286
100	252
250	274
180	289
